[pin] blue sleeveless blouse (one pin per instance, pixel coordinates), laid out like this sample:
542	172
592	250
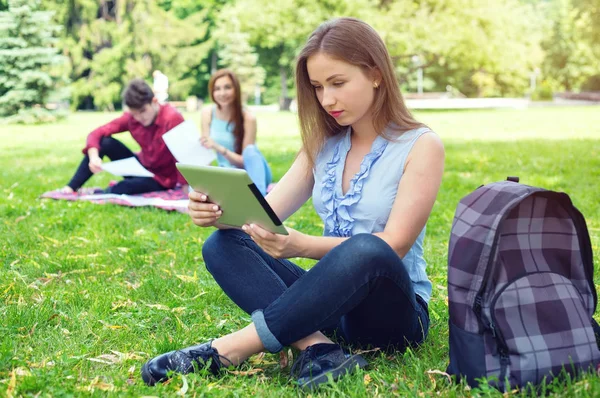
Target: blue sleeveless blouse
221	131
366	206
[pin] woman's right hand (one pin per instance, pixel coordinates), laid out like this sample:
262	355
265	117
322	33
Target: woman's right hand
207	142
203	212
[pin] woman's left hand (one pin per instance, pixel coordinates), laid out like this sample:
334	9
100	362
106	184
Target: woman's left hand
276	245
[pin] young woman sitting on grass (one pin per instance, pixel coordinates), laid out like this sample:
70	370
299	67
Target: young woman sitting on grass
231	130
373	173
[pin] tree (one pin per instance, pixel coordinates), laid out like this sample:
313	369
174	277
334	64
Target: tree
278	29
211	10
590	12
570	57
236	54
29	61
109	42
480	48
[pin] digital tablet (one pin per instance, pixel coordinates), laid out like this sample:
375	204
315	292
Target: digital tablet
235	193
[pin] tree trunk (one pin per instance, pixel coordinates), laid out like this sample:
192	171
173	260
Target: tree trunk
213	62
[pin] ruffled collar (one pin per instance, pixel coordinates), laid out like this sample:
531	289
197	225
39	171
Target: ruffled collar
339	220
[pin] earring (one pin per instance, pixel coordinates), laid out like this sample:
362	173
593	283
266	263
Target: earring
375	85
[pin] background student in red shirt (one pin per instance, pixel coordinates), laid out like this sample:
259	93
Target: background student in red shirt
147	121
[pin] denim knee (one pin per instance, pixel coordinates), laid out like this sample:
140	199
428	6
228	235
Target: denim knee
364	253
217	245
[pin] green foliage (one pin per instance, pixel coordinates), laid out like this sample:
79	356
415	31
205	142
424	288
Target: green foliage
89	292
571	46
30	68
185	8
592	83
278	29
590	26
543	92
236	54
211	10
111	43
35	115
481	48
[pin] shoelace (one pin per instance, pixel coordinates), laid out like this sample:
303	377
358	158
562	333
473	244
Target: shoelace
205	354
305	357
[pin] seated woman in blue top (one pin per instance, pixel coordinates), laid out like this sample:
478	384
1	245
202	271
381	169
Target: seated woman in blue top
231	130
373	173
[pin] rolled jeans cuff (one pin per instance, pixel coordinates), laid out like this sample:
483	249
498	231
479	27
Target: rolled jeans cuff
268	339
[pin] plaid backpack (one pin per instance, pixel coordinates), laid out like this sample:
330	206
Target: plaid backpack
520	287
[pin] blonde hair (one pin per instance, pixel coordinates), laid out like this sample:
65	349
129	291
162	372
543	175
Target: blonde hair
355	42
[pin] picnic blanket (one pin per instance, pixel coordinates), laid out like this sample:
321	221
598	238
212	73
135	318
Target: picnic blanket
172	199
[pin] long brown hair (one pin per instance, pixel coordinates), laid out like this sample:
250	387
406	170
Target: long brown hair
355	42
237	117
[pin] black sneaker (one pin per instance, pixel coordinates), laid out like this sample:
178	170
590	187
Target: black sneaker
319	360
182	361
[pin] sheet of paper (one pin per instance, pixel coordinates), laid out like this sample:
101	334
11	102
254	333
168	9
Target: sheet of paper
184	143
129	167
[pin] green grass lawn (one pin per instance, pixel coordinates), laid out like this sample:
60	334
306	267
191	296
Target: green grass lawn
88	293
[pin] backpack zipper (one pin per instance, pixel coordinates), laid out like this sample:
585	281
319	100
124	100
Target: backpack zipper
503	352
585	246
496	334
478	303
478	297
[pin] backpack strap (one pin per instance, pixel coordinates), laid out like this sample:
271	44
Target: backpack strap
596	329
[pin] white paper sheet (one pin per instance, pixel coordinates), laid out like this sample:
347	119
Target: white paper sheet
184	143
129	167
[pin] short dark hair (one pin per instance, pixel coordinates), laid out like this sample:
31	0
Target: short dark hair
137	94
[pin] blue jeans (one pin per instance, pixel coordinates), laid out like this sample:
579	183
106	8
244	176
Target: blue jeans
360	291
257	168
